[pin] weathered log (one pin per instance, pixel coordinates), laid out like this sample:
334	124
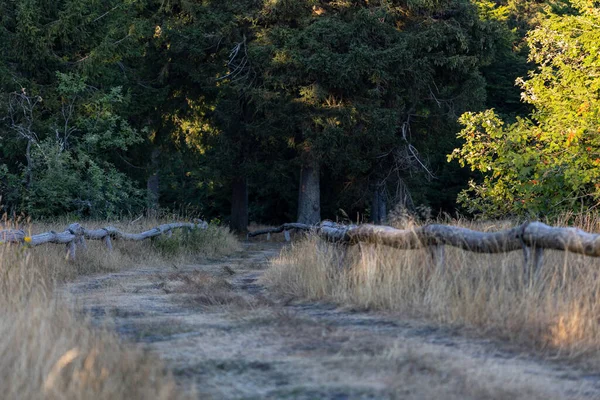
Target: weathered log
534	235
71	250
65	237
75	235
572	240
335	233
12	236
108	243
282	228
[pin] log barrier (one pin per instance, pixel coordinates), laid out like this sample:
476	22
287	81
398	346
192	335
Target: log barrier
76	235
531	237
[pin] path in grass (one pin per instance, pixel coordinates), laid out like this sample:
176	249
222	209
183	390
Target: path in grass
223	334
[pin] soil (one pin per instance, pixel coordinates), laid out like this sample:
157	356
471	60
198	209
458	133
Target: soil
224	336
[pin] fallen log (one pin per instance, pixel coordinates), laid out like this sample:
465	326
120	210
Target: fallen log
432	235
75	235
531	237
285	228
530	234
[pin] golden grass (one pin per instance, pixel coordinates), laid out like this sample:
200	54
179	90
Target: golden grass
557	314
49	353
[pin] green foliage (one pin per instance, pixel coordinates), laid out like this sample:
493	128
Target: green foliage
550	161
64	106
350	85
96	98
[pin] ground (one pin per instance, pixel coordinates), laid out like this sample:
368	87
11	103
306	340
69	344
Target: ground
226	336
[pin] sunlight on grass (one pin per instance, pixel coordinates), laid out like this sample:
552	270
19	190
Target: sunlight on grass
50	352
557	313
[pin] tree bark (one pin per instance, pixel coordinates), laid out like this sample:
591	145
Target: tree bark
529	236
375	207
379	205
239	205
29	173
153	184
309	197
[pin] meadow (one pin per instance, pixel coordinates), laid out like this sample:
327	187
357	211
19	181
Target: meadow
554	314
50	351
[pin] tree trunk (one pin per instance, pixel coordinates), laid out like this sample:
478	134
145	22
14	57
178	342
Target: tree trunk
29	172
379	205
153	184
239	205
375	207
309	198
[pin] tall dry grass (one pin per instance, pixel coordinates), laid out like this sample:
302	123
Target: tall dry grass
47	352
557	313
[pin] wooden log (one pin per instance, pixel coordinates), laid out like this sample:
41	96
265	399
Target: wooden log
282	228
82	243
336	233
71	250
108	242
12	236
572	240
75	235
115	233
52	237
429	235
436	235
98	234
535	235
78	231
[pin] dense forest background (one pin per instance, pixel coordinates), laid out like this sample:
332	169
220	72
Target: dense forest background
280	110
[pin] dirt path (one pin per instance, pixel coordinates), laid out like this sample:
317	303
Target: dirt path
221	332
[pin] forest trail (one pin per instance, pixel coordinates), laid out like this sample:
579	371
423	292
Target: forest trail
223	334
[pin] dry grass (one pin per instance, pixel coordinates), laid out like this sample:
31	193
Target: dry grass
49	353
423	372
367	364
202	289
556	314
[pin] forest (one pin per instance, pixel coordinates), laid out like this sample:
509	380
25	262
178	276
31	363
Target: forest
274	111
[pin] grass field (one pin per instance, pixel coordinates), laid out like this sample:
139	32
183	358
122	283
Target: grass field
50	353
556	314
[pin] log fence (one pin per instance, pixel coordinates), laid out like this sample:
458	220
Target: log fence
532	238
75	236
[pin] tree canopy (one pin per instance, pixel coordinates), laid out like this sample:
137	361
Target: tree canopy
275	110
547	161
